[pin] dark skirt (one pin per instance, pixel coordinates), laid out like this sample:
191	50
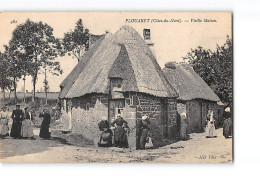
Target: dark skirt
107	140
16	130
143	139
227	128
120	138
44	132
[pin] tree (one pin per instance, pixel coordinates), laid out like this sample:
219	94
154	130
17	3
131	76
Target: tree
13	69
40	46
215	68
76	42
54	69
5	80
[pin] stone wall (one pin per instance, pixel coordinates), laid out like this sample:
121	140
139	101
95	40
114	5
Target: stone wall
159	111
86	113
196	111
83	114
172	117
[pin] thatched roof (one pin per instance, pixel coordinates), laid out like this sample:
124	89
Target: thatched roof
188	83
122	55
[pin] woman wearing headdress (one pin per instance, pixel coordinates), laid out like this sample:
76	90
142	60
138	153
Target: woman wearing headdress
184	127
227	125
210	128
4	118
44	131
120	134
106	134
17	117
145	131
27	129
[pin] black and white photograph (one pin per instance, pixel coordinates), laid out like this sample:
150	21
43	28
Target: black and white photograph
116	87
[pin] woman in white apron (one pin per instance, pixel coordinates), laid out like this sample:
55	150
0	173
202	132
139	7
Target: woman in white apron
27	129
210	128
4	118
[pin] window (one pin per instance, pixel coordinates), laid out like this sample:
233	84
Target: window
116	108
116	83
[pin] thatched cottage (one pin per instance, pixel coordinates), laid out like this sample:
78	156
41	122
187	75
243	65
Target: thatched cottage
118	75
195	96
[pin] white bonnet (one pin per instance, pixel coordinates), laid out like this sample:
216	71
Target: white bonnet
144	117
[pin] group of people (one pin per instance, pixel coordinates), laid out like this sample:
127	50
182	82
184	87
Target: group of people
227	124
210	125
118	137
22	126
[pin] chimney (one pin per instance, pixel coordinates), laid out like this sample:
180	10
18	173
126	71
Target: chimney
147	39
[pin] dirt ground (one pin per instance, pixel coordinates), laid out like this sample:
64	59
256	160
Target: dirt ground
197	149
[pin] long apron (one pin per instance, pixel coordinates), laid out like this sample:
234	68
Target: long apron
27	130
4	130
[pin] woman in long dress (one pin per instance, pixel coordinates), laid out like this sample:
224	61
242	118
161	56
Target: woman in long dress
120	138
106	134
184	127
4	118
227	125
145	131
44	131
17	117
210	128
27	129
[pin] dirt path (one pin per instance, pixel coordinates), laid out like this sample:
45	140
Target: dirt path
196	150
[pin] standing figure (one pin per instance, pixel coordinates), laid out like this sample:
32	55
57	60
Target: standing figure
27	129
227	125
120	138
139	130
210	128
146	127
184	127
106	135
17	117
44	132
4	118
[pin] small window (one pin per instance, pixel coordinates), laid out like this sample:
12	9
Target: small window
116	83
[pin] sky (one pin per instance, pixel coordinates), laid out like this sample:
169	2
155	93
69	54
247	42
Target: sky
173	40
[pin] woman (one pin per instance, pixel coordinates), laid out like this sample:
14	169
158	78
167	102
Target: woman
184	125
145	130
120	137
210	128
17	117
27	129
106	135
44	132
4	118
227	125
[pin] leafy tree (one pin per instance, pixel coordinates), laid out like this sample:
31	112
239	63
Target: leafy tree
76	42
54	69
5	80
13	69
39	45
215	68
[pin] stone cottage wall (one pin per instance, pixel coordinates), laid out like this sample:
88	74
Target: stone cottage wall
172	117
194	113
193	116
86	113
153	107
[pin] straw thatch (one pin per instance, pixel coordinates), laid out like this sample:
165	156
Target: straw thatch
188	83
71	78
123	55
